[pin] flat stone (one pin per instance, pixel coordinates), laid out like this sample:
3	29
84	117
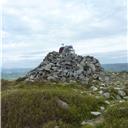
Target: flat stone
92	66
106	95
118	97
107	102
102	108
121	93
51	78
62	104
48	67
94	88
89	122
125	97
101	92
96	113
56	127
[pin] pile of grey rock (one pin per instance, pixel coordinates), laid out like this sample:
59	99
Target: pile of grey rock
67	67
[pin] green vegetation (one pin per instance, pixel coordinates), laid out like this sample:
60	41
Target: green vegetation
29	105
88	126
5	84
35	105
117	116
53	124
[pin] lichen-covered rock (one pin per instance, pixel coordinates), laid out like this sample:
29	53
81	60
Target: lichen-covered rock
62	104
67	67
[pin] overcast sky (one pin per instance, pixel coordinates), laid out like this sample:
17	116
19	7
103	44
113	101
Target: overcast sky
32	28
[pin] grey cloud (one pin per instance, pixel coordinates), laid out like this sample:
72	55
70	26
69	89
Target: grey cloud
44	26
112	57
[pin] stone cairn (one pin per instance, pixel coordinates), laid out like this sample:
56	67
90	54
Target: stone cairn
66	66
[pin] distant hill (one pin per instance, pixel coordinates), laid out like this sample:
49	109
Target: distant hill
14	73
116	67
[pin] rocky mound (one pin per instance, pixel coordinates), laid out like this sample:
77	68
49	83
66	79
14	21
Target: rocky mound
67	67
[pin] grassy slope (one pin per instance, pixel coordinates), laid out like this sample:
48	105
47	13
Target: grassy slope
116	116
34	105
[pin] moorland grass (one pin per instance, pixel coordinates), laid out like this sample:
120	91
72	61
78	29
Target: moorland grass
116	116
35	105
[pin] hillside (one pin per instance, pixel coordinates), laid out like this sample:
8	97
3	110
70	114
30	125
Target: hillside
119	67
14	73
65	90
56	105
